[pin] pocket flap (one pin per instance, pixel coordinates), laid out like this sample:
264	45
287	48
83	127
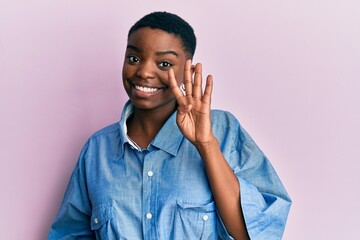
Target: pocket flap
100	216
209	207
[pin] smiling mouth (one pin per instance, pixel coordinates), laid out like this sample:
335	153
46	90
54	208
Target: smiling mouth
146	89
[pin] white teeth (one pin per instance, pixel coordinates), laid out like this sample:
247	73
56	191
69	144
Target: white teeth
145	89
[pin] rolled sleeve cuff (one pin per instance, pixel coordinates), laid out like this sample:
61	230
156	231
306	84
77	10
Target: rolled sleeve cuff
252	203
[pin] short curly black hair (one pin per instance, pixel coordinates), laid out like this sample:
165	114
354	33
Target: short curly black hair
170	23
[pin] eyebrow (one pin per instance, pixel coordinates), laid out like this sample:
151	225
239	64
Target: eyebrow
136	49
159	53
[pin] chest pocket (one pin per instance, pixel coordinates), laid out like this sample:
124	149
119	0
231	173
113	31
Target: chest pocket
101	222
194	221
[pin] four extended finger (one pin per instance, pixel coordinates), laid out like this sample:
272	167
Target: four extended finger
191	89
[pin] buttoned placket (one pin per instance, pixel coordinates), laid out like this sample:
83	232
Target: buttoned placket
148	197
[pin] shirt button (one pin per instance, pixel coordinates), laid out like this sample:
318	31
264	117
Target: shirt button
149	216
205	217
150	173
96	221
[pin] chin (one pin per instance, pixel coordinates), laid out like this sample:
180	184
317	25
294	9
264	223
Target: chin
151	105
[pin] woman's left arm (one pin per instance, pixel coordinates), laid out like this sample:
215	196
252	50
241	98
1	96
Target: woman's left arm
193	119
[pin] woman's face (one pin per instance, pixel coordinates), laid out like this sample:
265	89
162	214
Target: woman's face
150	53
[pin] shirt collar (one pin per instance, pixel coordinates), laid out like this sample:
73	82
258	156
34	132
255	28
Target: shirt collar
168	138
126	112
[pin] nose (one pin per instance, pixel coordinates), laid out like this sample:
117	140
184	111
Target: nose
146	70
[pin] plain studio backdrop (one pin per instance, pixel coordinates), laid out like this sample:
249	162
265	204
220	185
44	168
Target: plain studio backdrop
288	70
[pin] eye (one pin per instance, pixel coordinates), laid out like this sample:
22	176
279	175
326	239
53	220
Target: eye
165	64
133	59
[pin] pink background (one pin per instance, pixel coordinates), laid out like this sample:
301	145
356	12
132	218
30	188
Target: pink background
289	70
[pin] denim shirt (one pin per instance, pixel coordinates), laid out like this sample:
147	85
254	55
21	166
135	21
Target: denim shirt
119	191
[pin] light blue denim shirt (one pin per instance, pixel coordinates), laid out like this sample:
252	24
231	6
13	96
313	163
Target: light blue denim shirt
119	191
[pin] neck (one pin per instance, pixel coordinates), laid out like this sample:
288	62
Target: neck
145	124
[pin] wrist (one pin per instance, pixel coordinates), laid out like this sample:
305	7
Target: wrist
208	146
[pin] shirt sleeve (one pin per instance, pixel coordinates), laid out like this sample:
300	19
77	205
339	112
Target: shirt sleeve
263	199
73	218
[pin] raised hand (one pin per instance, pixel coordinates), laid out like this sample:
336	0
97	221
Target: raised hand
193	116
